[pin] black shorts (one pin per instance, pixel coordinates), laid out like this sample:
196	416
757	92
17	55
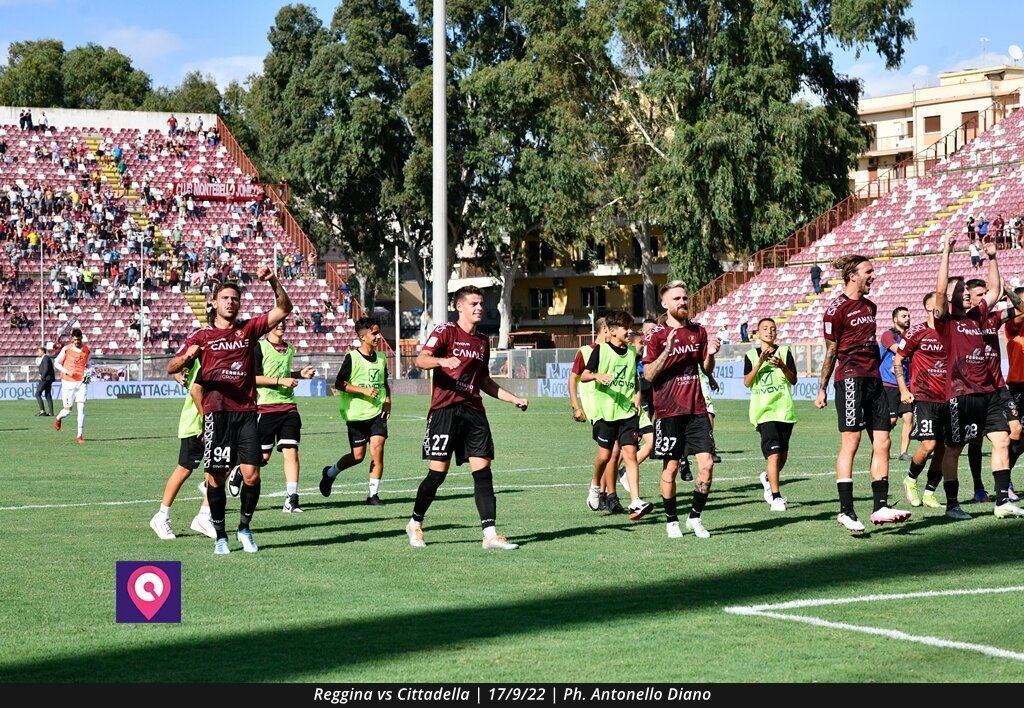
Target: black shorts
678	436
774	437
861	405
974	416
930	420
623	432
894	404
190	452
230	438
360	431
1011	404
457	429
283	429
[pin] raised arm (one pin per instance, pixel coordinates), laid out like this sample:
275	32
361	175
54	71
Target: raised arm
993	294
282	303
942	280
58	363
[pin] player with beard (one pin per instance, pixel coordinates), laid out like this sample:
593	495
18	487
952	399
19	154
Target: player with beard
1014	331
227	374
887	347
674	352
851	349
972	388
457	423
926	354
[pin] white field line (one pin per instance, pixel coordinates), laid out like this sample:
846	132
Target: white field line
358	487
770	611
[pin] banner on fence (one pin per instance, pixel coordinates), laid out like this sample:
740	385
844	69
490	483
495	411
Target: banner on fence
219	191
110	390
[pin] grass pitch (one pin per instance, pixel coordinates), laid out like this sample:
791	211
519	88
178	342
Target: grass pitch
337	594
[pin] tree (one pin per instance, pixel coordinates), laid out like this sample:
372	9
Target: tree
195	94
724	152
94	77
32	76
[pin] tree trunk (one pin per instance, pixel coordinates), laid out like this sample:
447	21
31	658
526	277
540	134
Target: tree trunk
365	291
642	235
508	281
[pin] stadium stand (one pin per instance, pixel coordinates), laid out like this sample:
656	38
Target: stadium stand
900	231
89	214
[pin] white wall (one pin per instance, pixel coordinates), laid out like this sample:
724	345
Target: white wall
65	117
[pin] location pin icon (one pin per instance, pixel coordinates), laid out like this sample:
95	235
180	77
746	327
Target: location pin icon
149	587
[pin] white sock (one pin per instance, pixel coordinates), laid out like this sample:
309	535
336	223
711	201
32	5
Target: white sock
490	532
64	413
81	418
292	488
165	510
415	524
374	486
595	488
333	471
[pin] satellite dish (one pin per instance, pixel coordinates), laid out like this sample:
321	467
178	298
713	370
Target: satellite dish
1016	53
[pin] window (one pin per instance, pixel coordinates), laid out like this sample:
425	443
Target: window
539	254
541	299
600	252
638	300
932	124
594	298
910	128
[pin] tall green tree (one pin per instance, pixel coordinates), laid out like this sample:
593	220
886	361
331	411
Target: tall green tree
102	78
195	94
32	76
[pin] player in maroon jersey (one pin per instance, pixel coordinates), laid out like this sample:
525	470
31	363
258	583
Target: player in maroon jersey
927	393
976	407
227	362
457	423
851	349
673	353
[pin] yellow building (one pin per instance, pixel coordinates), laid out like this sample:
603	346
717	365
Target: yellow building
904	124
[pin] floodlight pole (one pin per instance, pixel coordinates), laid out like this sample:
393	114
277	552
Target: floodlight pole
440	153
398	330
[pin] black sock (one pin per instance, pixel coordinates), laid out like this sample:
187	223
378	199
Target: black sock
425	494
671	512
880	493
845	487
699	500
218	498
483	493
247	500
1002	485
934	477
952	488
974	460
776	495
1016	449
915	470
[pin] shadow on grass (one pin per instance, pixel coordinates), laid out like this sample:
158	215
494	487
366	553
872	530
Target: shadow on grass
282	653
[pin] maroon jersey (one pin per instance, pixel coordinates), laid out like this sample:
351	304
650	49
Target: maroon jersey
851	325
970	358
927	355
677	388
461	384
227	364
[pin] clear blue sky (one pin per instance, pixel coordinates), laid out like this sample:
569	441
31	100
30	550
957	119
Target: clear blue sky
228	38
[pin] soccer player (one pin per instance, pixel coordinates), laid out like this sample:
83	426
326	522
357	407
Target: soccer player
227	360
1014	330
972	389
279	421
73	364
673	354
769	371
613	366
852	351
926	354
708	383
457	423
190	457
887	347
362	383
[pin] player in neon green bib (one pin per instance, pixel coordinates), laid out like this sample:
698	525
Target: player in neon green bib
279	423
770	373
190	458
362	384
613	366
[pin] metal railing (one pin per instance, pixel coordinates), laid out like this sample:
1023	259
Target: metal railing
915	166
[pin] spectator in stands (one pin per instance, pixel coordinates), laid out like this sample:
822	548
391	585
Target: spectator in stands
172	126
289	262
815	279
971	233
999	227
1018	232
4	157
744	333
7	306
982	227
318	322
165	328
131	274
346	304
975	254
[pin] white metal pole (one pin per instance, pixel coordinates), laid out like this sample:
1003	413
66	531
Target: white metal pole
398	317
440	153
142	315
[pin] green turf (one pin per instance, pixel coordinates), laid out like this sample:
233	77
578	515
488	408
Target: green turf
337	594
